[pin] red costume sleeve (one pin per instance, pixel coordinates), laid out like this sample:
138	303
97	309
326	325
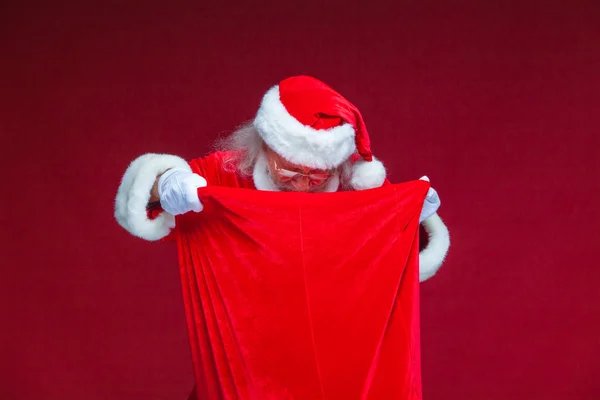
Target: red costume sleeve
211	169
304	296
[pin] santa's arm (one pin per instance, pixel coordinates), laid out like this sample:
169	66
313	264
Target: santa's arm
432	256
133	195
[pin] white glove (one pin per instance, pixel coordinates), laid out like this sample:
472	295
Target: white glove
431	204
178	191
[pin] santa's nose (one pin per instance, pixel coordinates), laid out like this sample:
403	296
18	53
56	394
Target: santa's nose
302	184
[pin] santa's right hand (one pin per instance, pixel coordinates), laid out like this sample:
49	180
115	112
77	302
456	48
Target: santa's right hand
178	191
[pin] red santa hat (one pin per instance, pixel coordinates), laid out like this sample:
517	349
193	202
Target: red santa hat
310	124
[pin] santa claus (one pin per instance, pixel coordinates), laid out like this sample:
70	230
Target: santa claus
305	137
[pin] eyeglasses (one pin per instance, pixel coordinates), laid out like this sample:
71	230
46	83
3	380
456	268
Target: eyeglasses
315	178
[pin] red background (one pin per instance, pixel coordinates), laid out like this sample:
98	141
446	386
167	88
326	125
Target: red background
498	102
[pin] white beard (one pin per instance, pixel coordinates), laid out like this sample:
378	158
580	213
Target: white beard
263	181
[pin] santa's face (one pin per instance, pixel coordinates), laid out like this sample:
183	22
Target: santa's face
291	177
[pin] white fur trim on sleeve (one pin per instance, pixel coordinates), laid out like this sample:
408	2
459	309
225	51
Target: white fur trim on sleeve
367	174
298	143
432	256
134	193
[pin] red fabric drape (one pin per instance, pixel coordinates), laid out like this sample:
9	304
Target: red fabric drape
304	296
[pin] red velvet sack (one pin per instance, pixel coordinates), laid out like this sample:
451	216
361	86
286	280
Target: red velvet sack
304	296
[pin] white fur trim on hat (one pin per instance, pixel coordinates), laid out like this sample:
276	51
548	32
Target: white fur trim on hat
432	257
134	193
367	174
298	143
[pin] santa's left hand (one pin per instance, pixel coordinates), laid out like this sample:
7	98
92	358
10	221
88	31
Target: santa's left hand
431	204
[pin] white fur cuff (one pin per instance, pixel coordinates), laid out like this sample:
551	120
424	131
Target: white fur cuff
134	193
432	257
